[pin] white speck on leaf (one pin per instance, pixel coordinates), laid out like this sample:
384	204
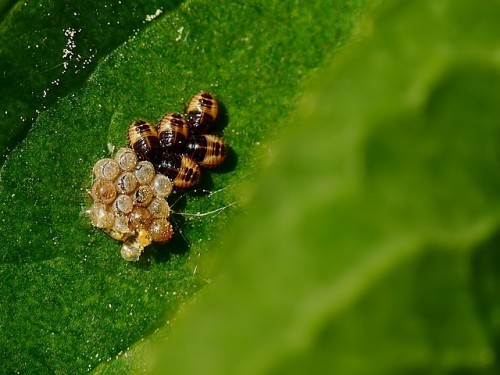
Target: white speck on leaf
179	32
151	17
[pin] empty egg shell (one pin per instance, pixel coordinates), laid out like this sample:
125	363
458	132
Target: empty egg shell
139	218
143	195
107	169
101	216
144	172
161	230
126	159
121	224
126	183
103	191
159	208
131	251
123	204
161	185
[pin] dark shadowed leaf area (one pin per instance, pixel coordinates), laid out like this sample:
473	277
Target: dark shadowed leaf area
50	47
68	303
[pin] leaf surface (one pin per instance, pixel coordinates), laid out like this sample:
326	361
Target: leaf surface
371	246
68	300
48	48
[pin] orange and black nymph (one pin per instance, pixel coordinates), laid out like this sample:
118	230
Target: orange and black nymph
207	150
143	138
173	131
180	169
201	112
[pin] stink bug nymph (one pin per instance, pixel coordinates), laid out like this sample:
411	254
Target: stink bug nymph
143	138
180	169
207	150
201	112
173	132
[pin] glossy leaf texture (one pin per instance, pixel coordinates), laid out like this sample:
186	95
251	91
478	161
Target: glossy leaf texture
68	302
371	244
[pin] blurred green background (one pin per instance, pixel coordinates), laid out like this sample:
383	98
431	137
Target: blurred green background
362	233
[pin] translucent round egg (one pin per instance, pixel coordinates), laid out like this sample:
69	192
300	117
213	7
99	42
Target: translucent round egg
131	251
159	208
161	185
107	169
126	183
144	172
123	204
126	159
101	216
121	224
143	195
103	191
161	230
139	218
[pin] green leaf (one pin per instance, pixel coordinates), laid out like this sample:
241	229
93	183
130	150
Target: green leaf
68	300
371	246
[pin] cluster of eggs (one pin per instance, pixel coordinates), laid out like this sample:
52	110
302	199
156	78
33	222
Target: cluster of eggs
130	202
130	190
